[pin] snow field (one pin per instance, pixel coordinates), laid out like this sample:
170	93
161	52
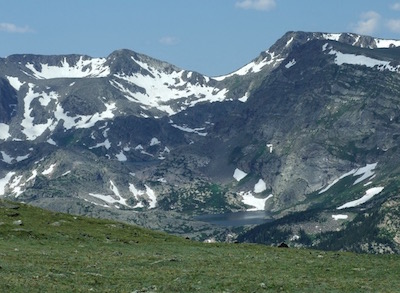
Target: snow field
93	67
258	204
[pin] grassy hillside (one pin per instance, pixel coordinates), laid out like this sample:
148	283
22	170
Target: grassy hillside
42	251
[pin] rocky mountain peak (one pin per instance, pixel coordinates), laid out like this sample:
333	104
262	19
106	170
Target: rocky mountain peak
293	39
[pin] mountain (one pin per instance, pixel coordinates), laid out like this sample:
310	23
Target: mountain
307	131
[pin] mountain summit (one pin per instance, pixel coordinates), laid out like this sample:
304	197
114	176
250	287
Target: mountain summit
307	131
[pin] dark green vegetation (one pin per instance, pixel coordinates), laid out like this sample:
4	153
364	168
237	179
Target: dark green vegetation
48	252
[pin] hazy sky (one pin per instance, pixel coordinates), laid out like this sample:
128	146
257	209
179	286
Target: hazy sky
213	37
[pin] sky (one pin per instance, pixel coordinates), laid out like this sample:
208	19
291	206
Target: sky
213	37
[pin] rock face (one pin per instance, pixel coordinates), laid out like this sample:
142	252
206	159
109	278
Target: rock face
311	124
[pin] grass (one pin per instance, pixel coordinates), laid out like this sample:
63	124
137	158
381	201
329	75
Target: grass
56	252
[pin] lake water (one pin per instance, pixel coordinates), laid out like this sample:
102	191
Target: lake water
236	219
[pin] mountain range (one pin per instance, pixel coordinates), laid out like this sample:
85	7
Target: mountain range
308	131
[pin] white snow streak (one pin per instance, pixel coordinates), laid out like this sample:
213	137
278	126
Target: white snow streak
152	197
137	194
367	196
340	217
66	173
191	130
34	174
366	172
254	67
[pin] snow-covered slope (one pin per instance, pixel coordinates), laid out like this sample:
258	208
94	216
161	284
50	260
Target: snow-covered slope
92	67
272	57
130	133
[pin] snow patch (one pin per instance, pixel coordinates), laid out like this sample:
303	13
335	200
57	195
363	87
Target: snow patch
290	63
139	147
31	130
138	194
4	181
4	131
16	187
84	121
270	146
51	141
49	170
9	160
370	193
258	204
106	144
255	66
351	59
260	186
121	157
15	83
340	217
239	174
6	158
154	141
332	37
382	43
244	98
